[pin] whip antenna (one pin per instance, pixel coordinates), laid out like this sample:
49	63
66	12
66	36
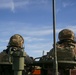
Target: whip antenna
54	36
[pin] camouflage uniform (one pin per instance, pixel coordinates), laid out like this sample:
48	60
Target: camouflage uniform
15	43
66	50
66	46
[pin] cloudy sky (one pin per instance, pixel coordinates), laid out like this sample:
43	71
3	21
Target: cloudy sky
33	20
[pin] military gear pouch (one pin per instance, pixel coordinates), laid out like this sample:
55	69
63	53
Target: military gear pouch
66	53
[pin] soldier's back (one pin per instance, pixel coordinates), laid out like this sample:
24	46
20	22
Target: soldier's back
65	51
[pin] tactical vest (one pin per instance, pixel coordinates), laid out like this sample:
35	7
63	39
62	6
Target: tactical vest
64	53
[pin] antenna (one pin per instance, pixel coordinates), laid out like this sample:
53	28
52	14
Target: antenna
43	53
55	64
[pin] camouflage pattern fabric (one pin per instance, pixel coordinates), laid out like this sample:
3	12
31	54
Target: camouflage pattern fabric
15	43
4	57
66	34
64	51
66	47
16	40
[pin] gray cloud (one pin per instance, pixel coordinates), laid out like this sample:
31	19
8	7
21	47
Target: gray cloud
30	39
7	4
13	4
37	48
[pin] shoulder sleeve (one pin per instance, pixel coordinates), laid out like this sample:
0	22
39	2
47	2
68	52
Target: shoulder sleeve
3	57
51	52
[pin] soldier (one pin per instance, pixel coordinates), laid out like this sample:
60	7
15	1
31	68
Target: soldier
66	46
66	50
16	42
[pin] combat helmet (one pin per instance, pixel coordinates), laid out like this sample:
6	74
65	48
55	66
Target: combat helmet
66	34
16	40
